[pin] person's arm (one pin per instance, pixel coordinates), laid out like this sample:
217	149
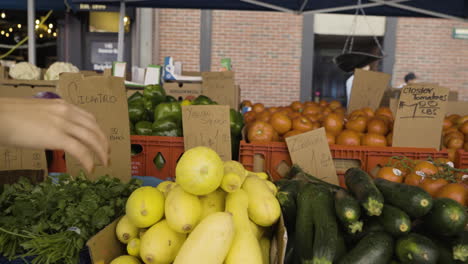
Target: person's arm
52	124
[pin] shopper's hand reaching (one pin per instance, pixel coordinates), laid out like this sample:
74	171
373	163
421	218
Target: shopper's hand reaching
52	124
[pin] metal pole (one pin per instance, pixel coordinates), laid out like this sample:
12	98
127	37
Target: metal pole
31	33
120	42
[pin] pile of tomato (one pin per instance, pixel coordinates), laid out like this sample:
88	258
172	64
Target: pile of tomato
438	177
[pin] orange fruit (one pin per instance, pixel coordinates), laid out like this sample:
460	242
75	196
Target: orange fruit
462	120
348	138
258	107
455	143
260	131
334	104
377	126
292	133
281	123
312	109
340	110
374	140
368	111
302	124
263	116
464	128
385	111
357	123
432	186
454	118
454	191
273	110
297	106
447	123
425	167
333	124
390	174
331	139
452	154
249	117
323	103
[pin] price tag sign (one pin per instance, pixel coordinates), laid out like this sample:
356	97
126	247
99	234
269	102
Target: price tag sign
311	152
209	126
368	89
420	114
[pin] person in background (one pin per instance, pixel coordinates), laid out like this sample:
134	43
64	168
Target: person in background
409	78
52	124
349	83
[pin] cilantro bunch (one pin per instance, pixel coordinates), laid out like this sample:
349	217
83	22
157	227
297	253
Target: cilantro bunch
53	220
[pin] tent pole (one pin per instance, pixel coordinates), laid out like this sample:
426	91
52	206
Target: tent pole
274	7
31	33
420	10
120	39
350	7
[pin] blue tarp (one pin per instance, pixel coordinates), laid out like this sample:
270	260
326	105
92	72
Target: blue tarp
455	8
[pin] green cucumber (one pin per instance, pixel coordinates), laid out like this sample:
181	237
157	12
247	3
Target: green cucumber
417	249
395	221
325	225
286	196
348	211
303	245
415	201
375	248
362	186
460	248
446	218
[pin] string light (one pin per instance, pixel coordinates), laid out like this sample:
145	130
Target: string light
2	32
7	34
125	19
55	34
10	29
40	35
51	25
36	26
3	15
19	25
49	31
37	21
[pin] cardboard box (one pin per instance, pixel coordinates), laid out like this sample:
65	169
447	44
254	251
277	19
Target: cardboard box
104	246
180	90
457	107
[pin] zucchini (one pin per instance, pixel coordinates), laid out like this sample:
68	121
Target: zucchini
375	248
418	249
445	253
289	255
415	201
361	185
296	173
460	248
395	221
286	196
348	211
340	246
446	218
371	225
303	242
325	225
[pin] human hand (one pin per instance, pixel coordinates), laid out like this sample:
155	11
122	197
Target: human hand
52	124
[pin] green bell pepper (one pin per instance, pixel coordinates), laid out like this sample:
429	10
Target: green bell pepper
136	110
170	99
171	111
143	128
132	129
167	127
149	109
155	93
237	122
203	100
134	97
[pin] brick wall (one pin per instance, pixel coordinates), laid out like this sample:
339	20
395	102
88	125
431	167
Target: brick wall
265	50
426	47
180	37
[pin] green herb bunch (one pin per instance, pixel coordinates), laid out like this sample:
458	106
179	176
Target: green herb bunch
53	220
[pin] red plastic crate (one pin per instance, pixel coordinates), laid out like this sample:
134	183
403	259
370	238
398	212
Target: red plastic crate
461	161
171	148
275	156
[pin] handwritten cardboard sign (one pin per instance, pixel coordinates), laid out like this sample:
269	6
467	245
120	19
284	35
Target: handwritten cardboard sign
207	125
12	158
420	113
220	87
104	97
311	152
368	89
458	107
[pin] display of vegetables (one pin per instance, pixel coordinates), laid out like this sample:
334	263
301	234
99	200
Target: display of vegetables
401	224
52	221
215	212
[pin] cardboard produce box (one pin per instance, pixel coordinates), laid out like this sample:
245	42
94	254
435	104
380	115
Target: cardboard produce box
104	246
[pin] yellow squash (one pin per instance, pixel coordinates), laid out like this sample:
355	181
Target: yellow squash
212	202
183	210
264	208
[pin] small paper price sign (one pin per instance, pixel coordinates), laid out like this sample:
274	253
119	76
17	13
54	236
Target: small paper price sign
311	152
